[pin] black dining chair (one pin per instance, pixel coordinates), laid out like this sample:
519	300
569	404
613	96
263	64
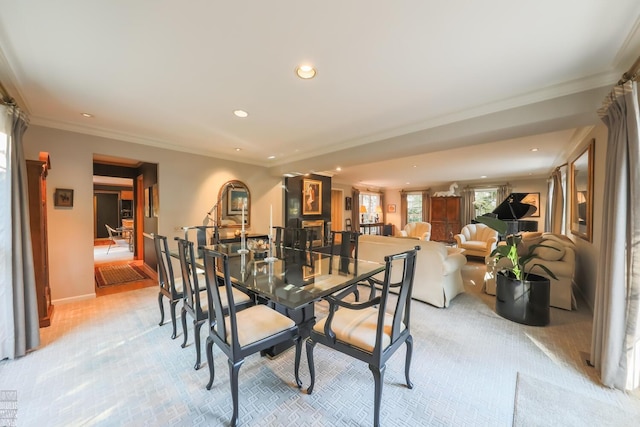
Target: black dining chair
241	333
344	250
170	286
195	299
371	331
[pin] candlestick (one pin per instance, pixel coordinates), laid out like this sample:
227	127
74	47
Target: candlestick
243	245
270	258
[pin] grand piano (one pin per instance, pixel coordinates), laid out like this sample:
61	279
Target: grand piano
512	209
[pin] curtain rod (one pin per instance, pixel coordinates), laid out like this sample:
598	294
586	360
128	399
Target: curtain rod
631	74
5	98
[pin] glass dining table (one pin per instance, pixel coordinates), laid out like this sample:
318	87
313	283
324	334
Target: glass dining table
293	280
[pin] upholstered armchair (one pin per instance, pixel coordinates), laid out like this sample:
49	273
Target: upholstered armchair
421	230
477	240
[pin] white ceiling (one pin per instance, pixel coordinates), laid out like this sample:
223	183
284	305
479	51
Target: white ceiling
395	79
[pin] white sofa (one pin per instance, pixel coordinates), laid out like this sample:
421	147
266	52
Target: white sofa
420	230
561	262
438	277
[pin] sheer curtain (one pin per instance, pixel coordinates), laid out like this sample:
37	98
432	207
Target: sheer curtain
555	203
355	211
468	208
19	326
425	206
403	210
615	340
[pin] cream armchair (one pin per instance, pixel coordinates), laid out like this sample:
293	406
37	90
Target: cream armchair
421	230
477	240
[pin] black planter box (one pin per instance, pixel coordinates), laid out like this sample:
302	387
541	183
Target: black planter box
524	302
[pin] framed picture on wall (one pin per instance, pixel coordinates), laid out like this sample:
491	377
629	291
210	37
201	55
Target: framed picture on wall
311	197
155	200
63	197
533	199
347	203
237	199
147	202
391	208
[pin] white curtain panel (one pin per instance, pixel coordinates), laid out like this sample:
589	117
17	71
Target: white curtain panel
19	326
6	294
615	343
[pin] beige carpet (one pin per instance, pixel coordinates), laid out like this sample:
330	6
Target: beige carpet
542	403
116	274
106	362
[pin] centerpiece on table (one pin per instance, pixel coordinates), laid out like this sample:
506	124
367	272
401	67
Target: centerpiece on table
259	248
521	296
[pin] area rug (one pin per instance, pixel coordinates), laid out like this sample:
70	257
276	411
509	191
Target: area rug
103	242
541	403
115	274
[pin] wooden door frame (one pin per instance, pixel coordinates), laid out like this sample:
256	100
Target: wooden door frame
139	218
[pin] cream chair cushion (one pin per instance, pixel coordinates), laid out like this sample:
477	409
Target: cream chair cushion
358	327
257	323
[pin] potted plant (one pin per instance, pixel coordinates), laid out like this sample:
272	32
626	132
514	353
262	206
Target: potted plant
521	296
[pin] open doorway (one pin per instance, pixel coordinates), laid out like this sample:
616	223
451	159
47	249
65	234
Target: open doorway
119	261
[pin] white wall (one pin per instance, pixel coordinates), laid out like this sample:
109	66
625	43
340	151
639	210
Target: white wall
188	187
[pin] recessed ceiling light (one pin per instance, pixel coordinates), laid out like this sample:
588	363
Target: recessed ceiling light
338	168
483	176
271	157
87	115
534	149
238	149
415	166
240	113
407	183
306	71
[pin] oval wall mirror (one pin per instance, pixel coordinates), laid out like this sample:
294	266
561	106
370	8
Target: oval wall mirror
235	205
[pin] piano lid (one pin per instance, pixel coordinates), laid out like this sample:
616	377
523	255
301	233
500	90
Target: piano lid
515	206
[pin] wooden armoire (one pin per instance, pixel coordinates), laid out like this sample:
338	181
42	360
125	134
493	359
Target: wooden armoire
37	171
444	216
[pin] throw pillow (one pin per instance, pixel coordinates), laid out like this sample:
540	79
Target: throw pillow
548	253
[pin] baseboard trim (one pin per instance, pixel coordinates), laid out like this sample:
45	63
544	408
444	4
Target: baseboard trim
73	299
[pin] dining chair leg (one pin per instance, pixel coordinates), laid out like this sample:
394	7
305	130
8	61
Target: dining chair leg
407	363
173	319
298	341
196	337
161	309
378	377
212	372
184	327
234	368
312	371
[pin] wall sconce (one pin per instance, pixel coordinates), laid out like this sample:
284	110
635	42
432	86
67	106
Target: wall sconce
363	210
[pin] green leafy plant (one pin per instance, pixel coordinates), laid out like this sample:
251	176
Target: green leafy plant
510	251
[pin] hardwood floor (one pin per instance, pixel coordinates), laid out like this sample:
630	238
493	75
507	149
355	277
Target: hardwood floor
128	286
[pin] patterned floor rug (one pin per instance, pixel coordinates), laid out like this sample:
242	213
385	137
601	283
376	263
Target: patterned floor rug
116	274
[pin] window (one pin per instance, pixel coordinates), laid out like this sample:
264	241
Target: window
369	201
485	200
414	207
